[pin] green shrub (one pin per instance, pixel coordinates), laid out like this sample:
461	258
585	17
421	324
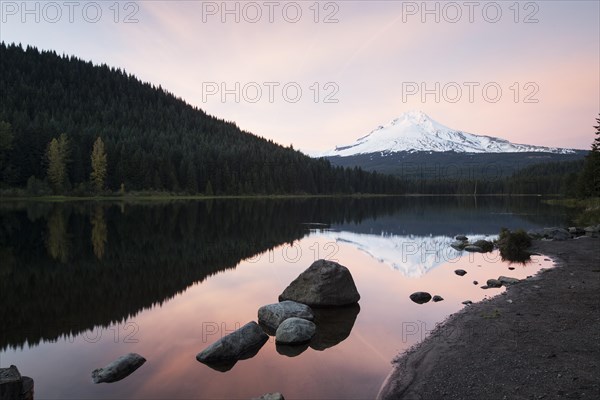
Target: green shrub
513	245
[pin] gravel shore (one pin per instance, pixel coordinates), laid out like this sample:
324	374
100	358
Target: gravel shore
538	340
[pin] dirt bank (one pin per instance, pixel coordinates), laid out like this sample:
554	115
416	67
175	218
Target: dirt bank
539	340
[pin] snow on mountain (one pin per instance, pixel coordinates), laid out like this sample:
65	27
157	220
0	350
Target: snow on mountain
411	255
415	131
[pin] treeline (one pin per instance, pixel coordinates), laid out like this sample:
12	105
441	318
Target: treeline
580	178
588	180
549	178
151	139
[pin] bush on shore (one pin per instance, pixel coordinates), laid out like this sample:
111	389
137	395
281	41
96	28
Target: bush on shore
513	245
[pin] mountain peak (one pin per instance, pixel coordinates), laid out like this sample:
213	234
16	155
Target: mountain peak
415	131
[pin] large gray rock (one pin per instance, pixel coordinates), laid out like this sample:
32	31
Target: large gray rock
295	331
121	368
420	297
272	315
323	284
239	345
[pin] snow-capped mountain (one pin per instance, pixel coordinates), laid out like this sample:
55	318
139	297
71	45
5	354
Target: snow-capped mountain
414	131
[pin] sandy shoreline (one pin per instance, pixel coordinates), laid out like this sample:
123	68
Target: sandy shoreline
542	344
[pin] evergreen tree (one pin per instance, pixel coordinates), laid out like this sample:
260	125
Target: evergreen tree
99	164
57	157
596	144
589	179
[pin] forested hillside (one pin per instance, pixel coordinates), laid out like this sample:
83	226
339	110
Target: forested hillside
56	111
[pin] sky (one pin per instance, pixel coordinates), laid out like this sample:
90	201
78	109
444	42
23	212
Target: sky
316	74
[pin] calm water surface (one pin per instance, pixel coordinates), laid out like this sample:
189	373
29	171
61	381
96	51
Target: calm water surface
82	284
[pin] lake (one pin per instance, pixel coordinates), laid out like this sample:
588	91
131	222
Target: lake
83	283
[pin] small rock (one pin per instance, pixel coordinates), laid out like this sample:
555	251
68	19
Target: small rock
506	280
295	331
484	245
460	272
574	230
509	301
467	302
458	245
462	238
121	368
511	268
437	298
473	249
420	297
475	283
272	315
494	283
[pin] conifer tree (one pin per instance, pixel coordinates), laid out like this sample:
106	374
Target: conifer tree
99	163
57	157
589	178
596	144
